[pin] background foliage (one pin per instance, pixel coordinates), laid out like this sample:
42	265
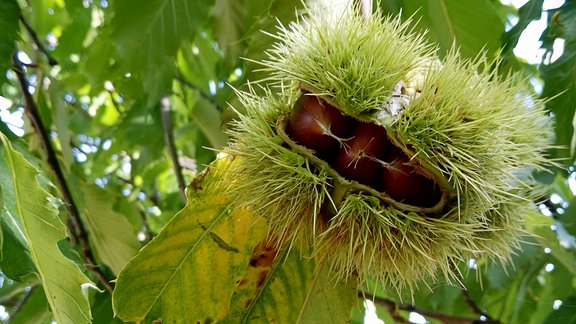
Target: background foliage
110	108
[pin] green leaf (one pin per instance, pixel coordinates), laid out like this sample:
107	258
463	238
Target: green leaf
444	298
207	118
229	16
147	39
190	269
548	239
110	233
290	288
16	262
198	62
274	12
560	78
529	12
61	279
62	122
258	39
74	33
35	309
473	26
102	309
564	314
567	219
9	26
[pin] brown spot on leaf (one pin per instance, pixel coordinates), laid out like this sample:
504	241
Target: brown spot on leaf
242	282
263	255
196	184
261	278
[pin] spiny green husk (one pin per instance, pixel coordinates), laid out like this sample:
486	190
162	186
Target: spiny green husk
478	133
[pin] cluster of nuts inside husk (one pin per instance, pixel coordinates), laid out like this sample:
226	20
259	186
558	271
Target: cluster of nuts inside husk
361	152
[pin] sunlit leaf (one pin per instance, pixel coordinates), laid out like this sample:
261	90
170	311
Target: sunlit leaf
62	280
191	268
15	259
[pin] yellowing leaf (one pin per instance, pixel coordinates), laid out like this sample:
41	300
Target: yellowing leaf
191	268
61	279
288	288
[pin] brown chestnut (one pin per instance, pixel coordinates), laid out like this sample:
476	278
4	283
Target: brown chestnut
358	158
318	126
402	182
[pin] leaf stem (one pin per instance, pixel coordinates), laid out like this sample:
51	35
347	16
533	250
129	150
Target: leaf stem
78	230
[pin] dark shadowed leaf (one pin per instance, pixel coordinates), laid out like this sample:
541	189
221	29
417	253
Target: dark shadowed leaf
9	11
560	78
566	313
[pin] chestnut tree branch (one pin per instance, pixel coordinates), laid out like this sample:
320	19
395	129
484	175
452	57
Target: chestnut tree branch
468	299
169	138
393	308
470	302
51	60
78	230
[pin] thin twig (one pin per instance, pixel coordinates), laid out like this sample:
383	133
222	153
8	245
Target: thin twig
22	300
470	302
51	60
169	138
468	299
78	230
392	307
